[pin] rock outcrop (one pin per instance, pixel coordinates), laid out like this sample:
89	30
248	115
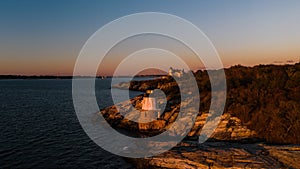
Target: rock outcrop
264	98
229	127
218	155
262	106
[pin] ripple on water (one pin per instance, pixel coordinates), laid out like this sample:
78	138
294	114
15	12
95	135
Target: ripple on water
39	128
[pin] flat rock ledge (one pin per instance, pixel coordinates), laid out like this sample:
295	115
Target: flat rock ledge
223	155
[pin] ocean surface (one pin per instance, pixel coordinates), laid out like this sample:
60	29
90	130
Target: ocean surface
39	127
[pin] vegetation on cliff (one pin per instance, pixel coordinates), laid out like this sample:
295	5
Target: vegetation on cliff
267	99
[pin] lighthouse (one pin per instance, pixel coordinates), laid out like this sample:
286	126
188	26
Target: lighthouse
149	103
151	112
149	106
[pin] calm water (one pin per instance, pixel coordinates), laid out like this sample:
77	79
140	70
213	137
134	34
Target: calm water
39	127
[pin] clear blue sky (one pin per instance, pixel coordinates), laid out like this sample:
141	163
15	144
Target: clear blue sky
45	37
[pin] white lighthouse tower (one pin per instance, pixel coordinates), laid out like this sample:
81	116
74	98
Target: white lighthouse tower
150	110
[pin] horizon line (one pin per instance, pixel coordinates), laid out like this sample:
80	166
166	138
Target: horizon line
141	75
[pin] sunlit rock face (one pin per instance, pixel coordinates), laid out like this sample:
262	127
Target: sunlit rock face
216	155
152	121
229	128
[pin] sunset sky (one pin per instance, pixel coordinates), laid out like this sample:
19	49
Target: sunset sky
45	37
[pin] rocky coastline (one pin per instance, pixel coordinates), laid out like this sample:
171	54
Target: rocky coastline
232	145
237	142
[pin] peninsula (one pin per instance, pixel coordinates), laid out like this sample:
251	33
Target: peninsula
259	128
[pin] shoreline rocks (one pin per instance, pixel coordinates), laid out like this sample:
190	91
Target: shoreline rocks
229	128
232	145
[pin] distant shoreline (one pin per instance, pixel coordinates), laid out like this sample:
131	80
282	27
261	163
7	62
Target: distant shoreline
3	77
103	77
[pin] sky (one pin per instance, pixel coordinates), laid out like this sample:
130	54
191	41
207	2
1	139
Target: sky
39	37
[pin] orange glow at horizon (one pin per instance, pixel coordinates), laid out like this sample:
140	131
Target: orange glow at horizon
61	67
